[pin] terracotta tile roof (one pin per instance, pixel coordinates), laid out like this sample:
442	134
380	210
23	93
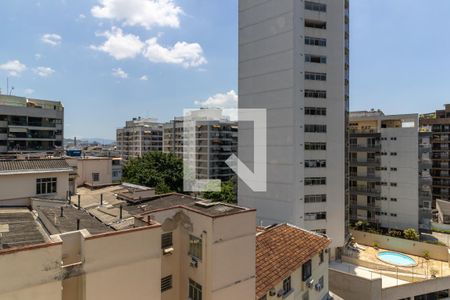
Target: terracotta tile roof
282	249
18	166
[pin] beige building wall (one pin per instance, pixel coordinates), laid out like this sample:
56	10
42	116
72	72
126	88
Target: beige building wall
85	168
118	265
227	267
17	189
299	287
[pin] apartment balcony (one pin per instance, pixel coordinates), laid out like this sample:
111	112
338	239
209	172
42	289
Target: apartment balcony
365	162
3	149
3	124
365	177
370	207
364	133
365	148
3	136
365	191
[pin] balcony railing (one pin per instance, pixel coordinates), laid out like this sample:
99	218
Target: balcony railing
365	191
365	148
365	177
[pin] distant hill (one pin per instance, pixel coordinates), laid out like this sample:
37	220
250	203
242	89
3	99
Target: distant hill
90	141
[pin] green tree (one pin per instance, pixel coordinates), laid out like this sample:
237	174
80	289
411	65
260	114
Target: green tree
163	171
411	234
227	193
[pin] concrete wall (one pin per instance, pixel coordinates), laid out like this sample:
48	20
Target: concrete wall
352	287
401	245
416	289
299	288
17	189
119	265
85	168
227	267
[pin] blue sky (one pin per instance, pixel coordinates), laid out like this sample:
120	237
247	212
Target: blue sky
95	54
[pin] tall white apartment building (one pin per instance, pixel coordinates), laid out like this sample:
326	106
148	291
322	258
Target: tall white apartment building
139	136
216	141
293	61
384	169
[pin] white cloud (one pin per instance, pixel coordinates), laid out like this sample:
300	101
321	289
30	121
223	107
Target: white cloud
119	73
44	71
81	16
145	13
143	78
51	39
182	53
28	91
220	100
120	45
37	56
13	67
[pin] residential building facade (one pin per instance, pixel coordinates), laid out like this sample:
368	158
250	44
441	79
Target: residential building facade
30	125
291	263
294	62
22	180
139	136
384	169
216	140
438	124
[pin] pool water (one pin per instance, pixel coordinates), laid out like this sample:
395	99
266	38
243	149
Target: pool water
398	259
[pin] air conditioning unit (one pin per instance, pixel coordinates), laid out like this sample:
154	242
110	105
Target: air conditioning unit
310	283
168	251
318	287
194	263
272	292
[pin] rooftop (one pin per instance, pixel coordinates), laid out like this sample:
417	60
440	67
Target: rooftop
55	223
18	228
19	166
280	250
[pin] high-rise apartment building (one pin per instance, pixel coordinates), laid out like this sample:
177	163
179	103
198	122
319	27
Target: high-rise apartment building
216	141
384	169
438	124
294	62
139	136
30	125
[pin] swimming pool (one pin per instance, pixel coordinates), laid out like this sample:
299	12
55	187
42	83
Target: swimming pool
397	259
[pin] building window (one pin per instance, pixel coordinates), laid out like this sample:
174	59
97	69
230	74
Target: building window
316	216
394	199
166	283
320	7
46	186
393	153
315	180
315	111
195	290
312	41
316	128
319	285
321	257
394	169
195	247
316	59
393	184
393	215
319	94
316	163
316	146
166	240
315	24
95	177
315	198
306	270
287	285
315	76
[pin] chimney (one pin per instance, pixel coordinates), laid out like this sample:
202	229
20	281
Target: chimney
62	212
78	224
